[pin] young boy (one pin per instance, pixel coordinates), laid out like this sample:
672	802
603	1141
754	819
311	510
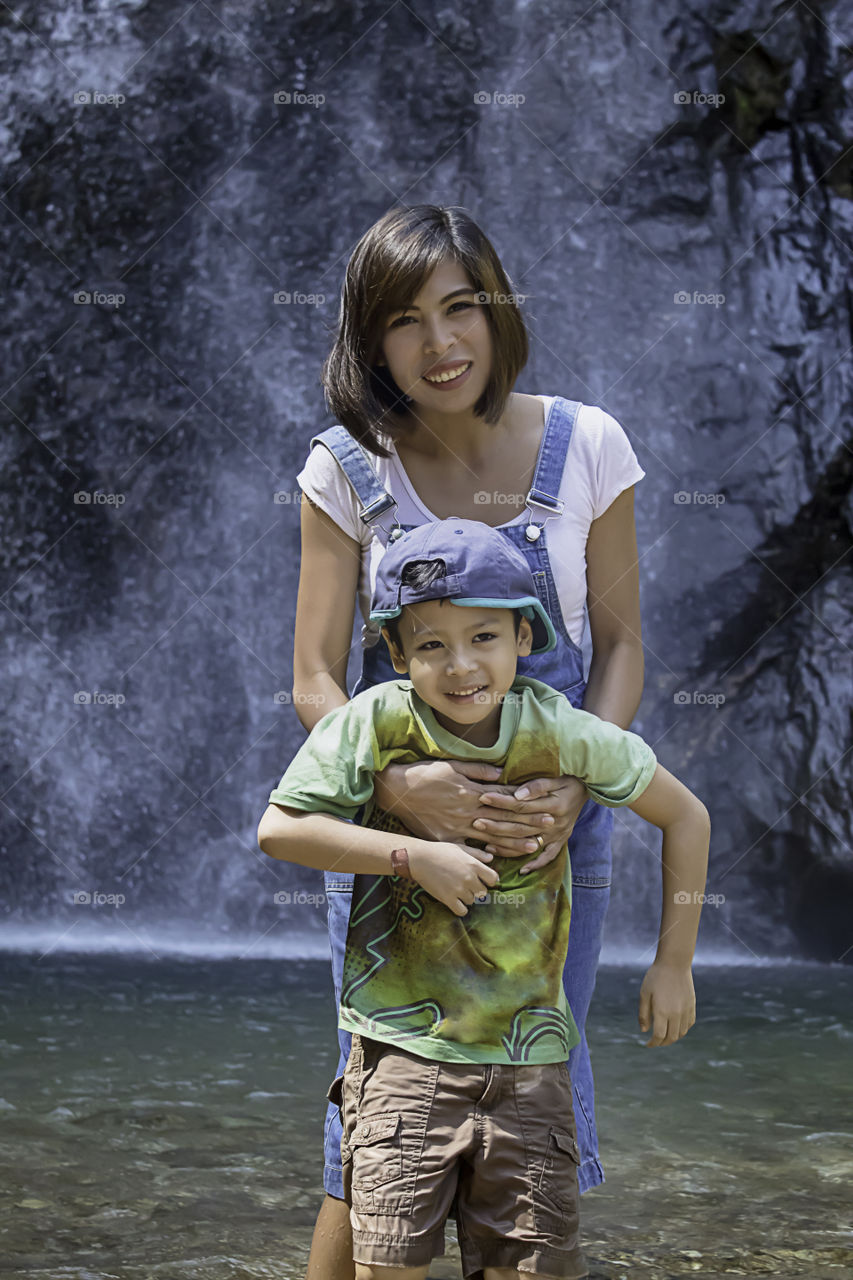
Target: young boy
457	1088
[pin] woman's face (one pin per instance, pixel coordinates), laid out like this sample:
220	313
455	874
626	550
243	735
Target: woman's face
440	330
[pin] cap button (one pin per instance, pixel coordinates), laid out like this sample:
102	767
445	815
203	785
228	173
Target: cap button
532	532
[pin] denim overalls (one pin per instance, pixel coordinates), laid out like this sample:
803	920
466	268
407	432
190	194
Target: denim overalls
589	843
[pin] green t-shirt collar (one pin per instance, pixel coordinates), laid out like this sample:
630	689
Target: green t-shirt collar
447	741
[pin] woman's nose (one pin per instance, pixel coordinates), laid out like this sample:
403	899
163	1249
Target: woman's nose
439	336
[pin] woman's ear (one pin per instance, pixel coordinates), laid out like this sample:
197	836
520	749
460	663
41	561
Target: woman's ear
398	661
525	638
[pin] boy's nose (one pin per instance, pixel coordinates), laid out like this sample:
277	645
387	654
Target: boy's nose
460	661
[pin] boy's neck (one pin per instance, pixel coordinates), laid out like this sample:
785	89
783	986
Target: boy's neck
485	733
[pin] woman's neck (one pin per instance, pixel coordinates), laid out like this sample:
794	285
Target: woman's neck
461	437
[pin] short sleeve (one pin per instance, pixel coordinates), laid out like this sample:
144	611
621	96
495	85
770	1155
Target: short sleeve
323	480
616	764
617	466
333	770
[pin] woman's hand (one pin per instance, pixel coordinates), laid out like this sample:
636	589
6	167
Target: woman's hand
454	800
555	802
437	799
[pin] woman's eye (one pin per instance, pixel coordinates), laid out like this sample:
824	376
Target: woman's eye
402	319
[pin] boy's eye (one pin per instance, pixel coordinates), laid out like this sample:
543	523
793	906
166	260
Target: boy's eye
485	635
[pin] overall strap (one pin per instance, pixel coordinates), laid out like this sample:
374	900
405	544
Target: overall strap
543	498
359	470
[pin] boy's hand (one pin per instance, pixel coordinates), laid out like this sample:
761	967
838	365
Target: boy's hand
452	874
667	1003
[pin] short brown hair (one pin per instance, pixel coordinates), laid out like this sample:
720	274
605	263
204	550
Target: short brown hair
387	269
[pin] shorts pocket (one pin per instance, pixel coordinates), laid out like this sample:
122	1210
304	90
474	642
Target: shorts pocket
559	1177
377	1152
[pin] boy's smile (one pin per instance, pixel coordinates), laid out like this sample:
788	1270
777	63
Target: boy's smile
461	660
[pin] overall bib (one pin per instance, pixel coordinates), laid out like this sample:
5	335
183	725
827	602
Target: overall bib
589	844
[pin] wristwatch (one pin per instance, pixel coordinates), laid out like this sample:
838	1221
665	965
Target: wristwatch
400	864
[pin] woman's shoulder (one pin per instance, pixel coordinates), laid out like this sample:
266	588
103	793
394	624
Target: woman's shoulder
599	439
596	428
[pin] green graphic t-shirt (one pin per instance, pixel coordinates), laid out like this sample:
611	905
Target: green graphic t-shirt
485	987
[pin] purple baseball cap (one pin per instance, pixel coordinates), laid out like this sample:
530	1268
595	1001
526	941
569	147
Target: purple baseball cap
483	568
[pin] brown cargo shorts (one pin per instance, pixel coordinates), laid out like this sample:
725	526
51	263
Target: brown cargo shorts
495	1143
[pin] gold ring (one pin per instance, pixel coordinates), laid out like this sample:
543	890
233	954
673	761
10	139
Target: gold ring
541	844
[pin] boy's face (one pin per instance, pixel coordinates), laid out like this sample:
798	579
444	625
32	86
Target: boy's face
461	660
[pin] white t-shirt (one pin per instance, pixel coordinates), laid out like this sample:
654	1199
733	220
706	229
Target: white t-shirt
600	463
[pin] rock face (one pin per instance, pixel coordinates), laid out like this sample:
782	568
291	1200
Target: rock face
671	189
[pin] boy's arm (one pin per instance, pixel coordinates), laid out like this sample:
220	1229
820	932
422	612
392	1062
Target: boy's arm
452	874
666	998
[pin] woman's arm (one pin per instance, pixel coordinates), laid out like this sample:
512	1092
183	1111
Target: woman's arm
325	607
615	684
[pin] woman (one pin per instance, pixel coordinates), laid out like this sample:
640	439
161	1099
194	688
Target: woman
420	380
